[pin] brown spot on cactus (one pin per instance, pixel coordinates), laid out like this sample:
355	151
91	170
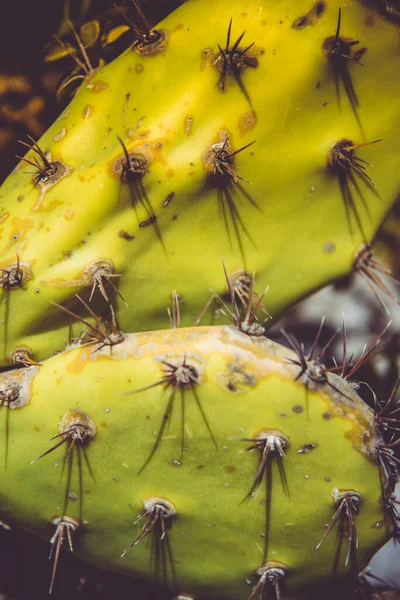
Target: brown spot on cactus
150	221
315	13
125	235
168	199
247	122
88	111
306	449
188	124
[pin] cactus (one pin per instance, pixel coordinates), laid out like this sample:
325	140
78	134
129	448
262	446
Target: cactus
122	177
227	438
202	450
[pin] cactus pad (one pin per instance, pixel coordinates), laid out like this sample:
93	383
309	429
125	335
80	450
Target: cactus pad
203	456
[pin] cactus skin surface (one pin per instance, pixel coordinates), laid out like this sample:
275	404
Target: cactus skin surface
108	408
297	225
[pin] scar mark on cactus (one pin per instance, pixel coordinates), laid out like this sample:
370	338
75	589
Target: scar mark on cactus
311	17
148	42
348	167
221	175
47	173
307	448
97	333
269	576
65	527
188	124
236	376
147	222
168	199
125	235
233	60
371	271
338	51
247	122
131	168
271	444
180	373
347	506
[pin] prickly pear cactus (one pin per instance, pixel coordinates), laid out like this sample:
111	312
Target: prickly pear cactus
210	460
249	135
199	458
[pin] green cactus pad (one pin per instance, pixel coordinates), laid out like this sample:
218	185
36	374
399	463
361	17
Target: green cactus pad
213	438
